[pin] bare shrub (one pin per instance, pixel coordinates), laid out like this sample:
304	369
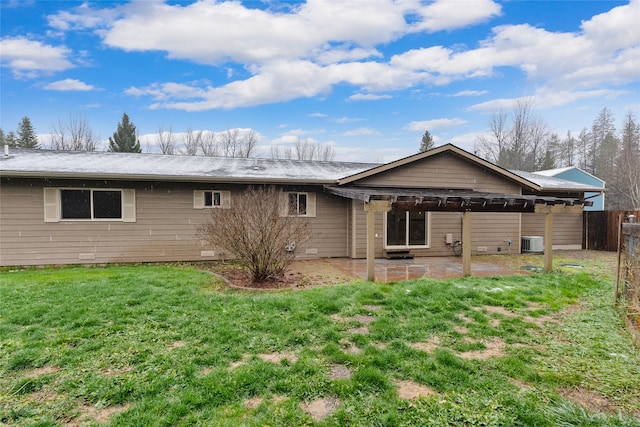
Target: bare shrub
257	230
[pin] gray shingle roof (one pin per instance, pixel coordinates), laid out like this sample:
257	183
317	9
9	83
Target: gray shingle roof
106	165
77	164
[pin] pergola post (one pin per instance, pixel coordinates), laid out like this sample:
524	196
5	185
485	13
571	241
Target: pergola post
466	243
548	241
371	208
549	210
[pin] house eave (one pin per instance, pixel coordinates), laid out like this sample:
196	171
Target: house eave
166	178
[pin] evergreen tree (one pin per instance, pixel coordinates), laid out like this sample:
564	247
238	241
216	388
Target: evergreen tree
3	138
125	139
11	140
427	142
26	134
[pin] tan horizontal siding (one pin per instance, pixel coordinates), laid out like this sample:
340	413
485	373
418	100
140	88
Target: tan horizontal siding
165	227
567	228
329	234
445	170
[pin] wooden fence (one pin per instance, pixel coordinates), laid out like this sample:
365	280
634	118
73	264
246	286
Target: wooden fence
600	229
628	280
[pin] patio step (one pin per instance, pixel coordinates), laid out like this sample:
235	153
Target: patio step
398	254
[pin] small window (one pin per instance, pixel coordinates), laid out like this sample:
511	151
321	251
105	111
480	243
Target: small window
298	204
211	199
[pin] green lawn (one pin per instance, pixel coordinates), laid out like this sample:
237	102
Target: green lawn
159	345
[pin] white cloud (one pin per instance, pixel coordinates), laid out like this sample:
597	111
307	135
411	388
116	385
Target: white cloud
361	132
546	98
304	50
471	93
368	97
434	125
69	85
29	58
448	14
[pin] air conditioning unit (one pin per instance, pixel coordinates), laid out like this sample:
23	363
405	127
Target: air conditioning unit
532	244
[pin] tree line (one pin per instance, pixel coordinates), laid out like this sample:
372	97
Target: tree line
75	134
516	140
521	140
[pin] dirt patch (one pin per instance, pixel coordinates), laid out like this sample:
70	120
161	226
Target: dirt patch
253	403
91	414
120	371
538	321
321	408
362	330
427	347
240	362
177	344
278	357
411	390
590	400
349	347
464	318
339	372
462	330
361	318
494	348
44	370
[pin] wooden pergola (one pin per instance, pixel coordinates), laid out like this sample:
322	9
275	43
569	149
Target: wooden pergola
385	199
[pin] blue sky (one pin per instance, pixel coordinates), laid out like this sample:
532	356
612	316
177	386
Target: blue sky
367	77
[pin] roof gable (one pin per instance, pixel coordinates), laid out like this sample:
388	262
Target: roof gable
447	148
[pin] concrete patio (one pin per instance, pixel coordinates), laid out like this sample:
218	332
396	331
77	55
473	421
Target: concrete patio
387	270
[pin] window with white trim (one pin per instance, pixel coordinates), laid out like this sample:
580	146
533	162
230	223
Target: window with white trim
211	199
407	229
82	204
299	204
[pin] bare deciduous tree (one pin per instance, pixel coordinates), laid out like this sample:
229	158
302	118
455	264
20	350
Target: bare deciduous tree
73	135
305	150
165	140
238	143
257	230
209	144
191	141
523	146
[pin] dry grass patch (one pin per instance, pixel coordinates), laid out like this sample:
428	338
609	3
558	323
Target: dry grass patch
111	372
349	347
91	415
427	347
410	390
494	348
590	400
319	409
177	344
339	372
278	357
44	370
538	321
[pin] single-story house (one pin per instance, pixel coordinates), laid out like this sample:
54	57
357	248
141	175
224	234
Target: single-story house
575	174
98	207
